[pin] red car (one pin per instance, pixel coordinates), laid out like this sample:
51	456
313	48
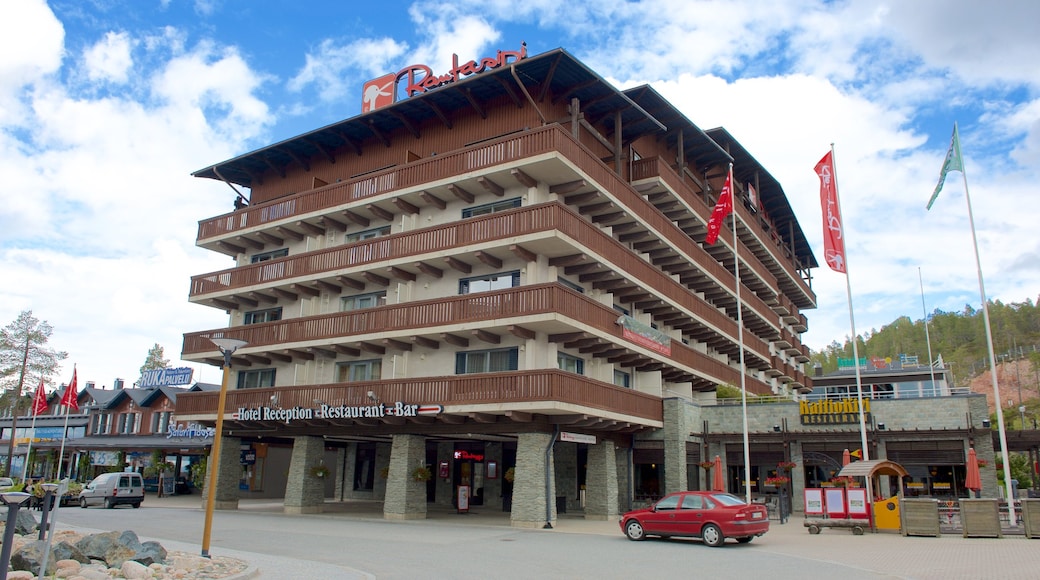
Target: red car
711	516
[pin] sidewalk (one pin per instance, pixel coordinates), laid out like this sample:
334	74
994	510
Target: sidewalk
950	557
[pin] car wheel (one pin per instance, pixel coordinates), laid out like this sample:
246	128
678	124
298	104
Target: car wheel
83	502
712	535
109	504
136	504
745	540
634	531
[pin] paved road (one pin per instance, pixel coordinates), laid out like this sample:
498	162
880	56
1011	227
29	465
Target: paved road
353	541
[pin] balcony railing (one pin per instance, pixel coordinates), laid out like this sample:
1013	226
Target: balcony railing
504	389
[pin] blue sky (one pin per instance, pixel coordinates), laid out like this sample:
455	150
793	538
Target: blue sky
107	106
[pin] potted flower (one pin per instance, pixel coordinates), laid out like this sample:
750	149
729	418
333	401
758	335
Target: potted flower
844	481
983	463
320	471
510	474
786	465
777	481
422	473
707	464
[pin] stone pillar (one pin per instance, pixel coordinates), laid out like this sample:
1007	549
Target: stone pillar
305	493
530	504
565	462
382	462
601	482
674	435
229	471
405	497
445	492
797	478
623	462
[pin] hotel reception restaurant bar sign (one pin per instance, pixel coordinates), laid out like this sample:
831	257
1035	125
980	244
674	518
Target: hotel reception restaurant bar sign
839	412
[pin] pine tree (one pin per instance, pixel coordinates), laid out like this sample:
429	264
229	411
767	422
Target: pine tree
154	359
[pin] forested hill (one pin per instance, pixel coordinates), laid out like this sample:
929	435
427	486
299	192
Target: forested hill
960	337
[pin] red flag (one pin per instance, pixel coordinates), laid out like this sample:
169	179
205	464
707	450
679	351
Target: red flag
833	243
70	399
723	208
39	405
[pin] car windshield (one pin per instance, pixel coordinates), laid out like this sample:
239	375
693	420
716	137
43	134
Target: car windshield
727	499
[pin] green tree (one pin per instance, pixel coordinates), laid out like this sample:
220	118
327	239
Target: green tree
24	359
154	359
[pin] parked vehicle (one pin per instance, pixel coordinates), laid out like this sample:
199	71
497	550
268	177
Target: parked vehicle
711	516
6	483
112	489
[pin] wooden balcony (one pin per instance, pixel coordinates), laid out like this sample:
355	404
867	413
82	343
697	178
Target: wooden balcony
550	308
500	402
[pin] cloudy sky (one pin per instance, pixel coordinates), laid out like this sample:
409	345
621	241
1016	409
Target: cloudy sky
107	106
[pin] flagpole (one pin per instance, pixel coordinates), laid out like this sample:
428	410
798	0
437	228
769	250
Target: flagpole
1012	520
927	338
740	343
28	452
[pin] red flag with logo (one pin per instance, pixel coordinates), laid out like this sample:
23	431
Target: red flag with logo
71	399
833	231
39	405
723	208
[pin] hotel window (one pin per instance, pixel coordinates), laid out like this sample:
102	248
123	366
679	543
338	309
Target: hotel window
256	379
490	282
102	421
623	379
127	424
570	285
161	422
622	310
487	361
362	301
367	234
570	363
362	370
491	208
266	315
272	255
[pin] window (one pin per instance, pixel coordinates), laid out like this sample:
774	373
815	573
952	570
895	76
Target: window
570	285
622	310
623	379
487	361
161	422
266	315
668	503
127	423
570	363
367	234
362	370
489	282
491	208
102	421
272	255
256	379
362	301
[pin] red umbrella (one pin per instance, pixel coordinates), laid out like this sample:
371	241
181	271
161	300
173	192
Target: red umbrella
972	480
718	483
846	458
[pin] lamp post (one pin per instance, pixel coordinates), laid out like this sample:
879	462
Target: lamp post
227	347
13	500
48	493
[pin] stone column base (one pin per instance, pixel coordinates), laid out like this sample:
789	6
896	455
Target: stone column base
295	509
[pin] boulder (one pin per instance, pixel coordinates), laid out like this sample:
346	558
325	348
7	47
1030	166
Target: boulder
135	571
25	523
30	556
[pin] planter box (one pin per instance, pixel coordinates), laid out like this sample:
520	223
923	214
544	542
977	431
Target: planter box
981	518
919	517
1031	517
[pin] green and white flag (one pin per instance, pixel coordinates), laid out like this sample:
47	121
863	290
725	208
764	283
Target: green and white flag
952	163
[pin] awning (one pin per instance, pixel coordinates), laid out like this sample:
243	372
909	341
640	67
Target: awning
872	468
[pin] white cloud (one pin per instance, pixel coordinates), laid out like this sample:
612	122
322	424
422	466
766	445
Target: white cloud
332	66
109	60
30	49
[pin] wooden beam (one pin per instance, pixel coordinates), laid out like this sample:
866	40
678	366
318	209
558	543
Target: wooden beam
523	253
322	352
429	270
520	416
491	186
488	259
243	301
351	283
226	305
523	178
433	200
459	265
270	238
356	218
285	294
310	228
568	187
261	297
520	331
400	274
332	224
344	349
380	212
306	290
260	360
581	198
452	419
244	241
426	342
329	287
231	247
291	234
376	278
454	339
372	348
461	193
487	336
279	357
405	206
568	336
396	344
569	260
301	354
482	417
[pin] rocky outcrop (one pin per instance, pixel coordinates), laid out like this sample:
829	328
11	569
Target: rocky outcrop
114	549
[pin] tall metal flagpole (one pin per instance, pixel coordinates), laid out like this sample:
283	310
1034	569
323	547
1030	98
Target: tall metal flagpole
927	338
740	342
32	435
1012	520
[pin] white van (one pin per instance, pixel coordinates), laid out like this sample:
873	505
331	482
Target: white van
112	489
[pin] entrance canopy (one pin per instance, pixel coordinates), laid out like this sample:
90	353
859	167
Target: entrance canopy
872	468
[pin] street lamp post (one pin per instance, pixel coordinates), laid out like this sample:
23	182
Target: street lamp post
13	500
48	493
227	347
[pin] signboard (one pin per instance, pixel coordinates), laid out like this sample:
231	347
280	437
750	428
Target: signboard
834	500
843	411
857	502
323	411
193	430
462	499
645	335
813	502
165	377
577	438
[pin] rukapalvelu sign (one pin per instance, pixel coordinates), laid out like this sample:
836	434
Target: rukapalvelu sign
165	377
839	412
398	409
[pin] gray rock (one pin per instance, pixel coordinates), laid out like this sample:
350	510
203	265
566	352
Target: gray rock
150	553
30	556
94	546
25	523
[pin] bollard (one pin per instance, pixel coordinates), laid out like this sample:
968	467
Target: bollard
13	500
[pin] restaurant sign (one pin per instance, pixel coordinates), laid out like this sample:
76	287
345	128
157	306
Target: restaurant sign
645	335
323	411
838	412
419	78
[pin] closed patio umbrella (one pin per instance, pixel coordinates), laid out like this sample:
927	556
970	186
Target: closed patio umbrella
718	483
846	458
972	479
